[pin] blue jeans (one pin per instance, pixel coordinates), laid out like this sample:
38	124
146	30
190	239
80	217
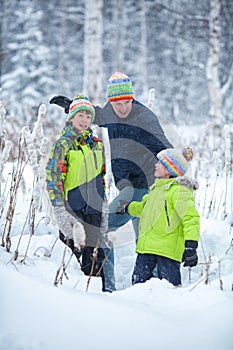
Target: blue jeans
115	221
108	269
128	194
166	268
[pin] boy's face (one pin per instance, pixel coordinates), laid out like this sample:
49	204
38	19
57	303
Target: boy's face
122	108
161	172
82	120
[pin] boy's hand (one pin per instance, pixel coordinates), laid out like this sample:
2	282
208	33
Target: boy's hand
190	257
70	226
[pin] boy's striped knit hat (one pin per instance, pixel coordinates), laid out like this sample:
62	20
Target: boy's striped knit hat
119	87
80	103
177	163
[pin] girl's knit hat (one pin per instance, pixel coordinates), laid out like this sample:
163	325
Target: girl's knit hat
177	163
80	103
119	87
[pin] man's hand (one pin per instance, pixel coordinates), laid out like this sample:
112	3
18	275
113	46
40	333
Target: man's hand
61	101
121	207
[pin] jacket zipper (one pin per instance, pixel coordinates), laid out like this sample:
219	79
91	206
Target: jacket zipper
85	162
166	211
95	159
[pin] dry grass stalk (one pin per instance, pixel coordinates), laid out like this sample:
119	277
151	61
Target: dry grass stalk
94	258
16	178
61	271
48	252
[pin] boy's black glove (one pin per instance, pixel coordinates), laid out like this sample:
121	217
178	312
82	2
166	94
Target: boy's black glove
78	252
61	101
190	254
121	207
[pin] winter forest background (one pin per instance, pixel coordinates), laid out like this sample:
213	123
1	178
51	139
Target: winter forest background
182	49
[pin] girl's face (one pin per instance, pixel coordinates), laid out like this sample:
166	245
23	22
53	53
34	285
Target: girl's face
161	172
82	120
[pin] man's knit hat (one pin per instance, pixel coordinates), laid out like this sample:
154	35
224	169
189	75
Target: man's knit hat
80	103
119	87
176	163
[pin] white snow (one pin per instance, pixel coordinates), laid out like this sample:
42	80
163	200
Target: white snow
34	314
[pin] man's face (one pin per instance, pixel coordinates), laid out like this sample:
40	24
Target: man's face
122	108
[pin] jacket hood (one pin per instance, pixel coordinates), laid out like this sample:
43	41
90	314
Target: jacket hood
181	180
186	181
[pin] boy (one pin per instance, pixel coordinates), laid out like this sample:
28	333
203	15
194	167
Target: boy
169	222
75	183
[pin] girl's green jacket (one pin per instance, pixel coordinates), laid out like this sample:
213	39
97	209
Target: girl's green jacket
168	218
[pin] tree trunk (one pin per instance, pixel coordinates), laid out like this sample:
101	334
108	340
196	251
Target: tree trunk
92	84
213	63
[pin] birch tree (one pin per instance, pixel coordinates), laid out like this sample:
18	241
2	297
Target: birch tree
143	46
215	92
92	84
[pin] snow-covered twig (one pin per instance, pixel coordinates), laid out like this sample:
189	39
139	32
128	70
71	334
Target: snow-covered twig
2	125
218	166
104	261
4	158
151	98
48	252
228	166
94	259
16	178
32	216
63	267
34	148
20	236
206	174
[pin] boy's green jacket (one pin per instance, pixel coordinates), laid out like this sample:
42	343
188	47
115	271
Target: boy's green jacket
168	218
75	170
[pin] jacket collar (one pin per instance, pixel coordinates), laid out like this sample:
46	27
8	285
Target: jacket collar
70	130
182	180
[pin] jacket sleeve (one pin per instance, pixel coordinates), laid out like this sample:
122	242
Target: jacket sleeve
98	115
155	140
186	210
136	208
56	173
104	115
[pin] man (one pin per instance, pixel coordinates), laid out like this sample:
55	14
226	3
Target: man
135	137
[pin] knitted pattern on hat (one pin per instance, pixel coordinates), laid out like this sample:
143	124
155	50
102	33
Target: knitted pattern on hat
80	103
175	162
119	87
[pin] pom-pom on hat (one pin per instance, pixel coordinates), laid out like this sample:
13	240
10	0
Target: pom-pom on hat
80	103
177	163
119	87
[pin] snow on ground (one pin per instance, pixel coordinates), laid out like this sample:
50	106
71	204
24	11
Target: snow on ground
36	315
